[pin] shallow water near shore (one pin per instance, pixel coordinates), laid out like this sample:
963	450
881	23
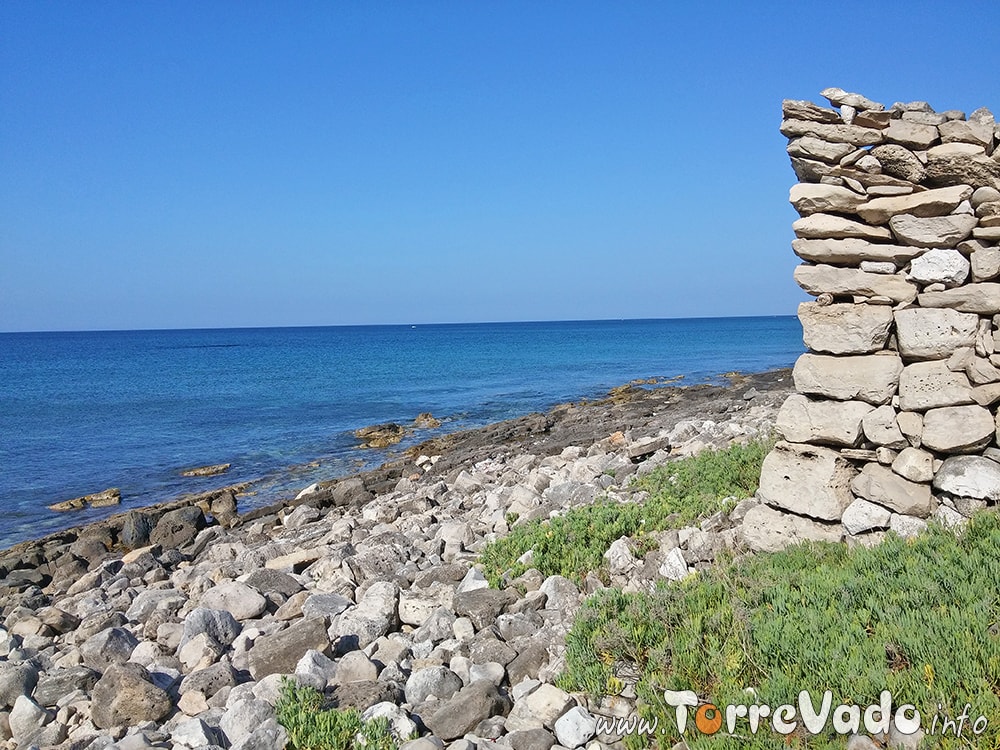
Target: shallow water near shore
84	411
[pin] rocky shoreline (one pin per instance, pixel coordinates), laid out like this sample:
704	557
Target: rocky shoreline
171	626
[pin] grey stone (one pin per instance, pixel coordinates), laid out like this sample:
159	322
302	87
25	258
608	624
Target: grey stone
219	625
209	680
540	708
824	279
110	646
880	485
862	515
462	712
928	385
914	464
401	726
807	480
810	147
329	605
674	567
880	427
575	727
26	718
845	328
958	429
317	667
244	717
906	526
355	667
126	696
279	653
194	733
932	232
871	378
560	593
911	134
969	476
242	601
16	680
482	605
528	739
55	684
439	682
178	528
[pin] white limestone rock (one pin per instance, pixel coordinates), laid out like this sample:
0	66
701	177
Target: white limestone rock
940	266
934	231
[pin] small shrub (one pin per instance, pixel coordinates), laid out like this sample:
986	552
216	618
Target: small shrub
310	726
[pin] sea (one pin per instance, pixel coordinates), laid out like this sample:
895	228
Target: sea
84	411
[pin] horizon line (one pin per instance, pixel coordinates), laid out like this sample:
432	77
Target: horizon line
389	325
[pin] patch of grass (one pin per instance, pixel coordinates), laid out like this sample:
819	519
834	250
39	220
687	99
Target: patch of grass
919	618
680	493
310	726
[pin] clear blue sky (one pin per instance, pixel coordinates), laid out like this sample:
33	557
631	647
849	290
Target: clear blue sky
189	164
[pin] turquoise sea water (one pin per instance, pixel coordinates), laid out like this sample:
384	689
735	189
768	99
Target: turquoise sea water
80	412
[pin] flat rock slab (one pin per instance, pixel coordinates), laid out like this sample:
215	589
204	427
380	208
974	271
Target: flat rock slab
982	298
823	422
935	231
830	226
929	385
958	429
280	653
825	279
938	202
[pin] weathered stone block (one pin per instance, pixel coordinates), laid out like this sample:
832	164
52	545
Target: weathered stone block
880	427
810	198
929	385
934	231
765	529
807	480
805	420
923	333
872	378
829	226
969	476
982	298
845	328
938	202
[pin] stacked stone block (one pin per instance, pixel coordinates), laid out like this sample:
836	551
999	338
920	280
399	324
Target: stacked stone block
895	417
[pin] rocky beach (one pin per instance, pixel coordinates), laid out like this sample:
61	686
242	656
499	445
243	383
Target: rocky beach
173	626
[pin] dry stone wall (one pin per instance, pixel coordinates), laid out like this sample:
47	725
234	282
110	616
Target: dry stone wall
894	421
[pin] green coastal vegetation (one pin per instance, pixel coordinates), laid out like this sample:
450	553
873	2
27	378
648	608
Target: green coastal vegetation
311	726
679	494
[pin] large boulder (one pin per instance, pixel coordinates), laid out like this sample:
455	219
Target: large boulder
280	652
242	601
460	714
765	529
845	328
178	528
806	480
126	696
